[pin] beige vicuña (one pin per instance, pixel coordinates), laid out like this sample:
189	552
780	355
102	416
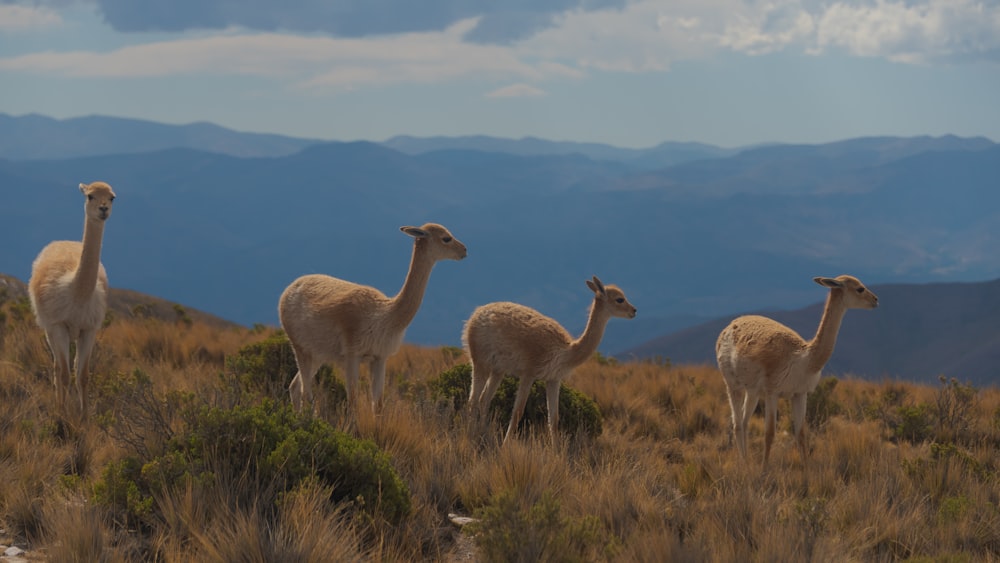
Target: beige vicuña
69	293
761	356
507	339
332	320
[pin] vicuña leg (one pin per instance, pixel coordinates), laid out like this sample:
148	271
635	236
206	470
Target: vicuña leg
523	389
84	348
300	389
58	337
552	398
750	399
798	401
352	369
770	419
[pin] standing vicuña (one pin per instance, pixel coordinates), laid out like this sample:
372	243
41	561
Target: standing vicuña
505	338
332	320
69	292
761	356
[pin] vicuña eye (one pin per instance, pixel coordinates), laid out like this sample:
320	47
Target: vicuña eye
620	300
446	239
861	290
90	197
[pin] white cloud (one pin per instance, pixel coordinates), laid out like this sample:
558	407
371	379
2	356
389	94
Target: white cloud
305	62
649	35
22	18
642	36
517	91
930	31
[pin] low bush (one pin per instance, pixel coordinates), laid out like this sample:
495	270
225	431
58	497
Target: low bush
267	368
508	531
265	450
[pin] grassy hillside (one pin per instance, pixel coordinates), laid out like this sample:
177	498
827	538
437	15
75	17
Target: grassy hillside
897	472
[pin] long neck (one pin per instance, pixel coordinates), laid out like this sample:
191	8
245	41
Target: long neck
583	348
85	279
820	348
405	304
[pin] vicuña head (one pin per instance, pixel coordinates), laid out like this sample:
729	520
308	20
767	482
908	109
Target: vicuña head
760	356
68	290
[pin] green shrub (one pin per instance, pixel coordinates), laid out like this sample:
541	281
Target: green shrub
120	490
268	367
262	451
913	423
578	414
820	405
506	531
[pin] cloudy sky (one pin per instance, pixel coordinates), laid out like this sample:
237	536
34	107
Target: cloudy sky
626	72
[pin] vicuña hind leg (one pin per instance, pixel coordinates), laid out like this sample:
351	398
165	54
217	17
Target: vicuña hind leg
750	400
479	378
300	390
523	389
377	371
492	384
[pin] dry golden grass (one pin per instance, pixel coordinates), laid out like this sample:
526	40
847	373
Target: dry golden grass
889	477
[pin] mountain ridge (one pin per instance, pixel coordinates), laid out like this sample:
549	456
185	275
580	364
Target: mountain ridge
687	243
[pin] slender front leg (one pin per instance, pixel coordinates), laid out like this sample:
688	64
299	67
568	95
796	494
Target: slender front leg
523	388
798	401
552	397
84	347
58	337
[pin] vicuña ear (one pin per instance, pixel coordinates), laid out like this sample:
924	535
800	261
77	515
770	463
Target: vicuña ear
596	286
83	188
828	282
415	232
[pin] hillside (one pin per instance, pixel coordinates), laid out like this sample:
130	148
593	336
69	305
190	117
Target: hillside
918	332
192	452
125	303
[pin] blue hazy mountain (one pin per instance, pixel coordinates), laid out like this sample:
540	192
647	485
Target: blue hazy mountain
690	242
38	136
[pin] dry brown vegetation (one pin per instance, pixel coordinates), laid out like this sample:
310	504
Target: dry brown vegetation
899	471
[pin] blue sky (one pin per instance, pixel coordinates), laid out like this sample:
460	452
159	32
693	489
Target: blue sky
632	73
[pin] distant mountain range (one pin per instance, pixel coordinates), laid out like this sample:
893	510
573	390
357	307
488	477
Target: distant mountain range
38	136
715	231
